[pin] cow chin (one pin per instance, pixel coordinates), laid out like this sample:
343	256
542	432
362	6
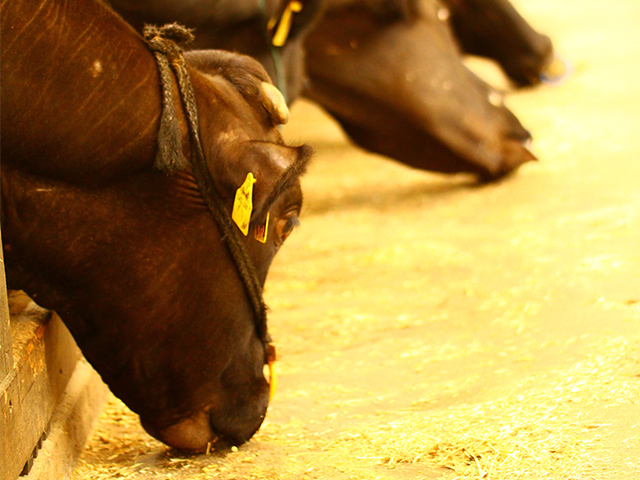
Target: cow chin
191	434
199	431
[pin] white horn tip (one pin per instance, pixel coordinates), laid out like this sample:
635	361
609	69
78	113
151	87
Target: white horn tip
275	103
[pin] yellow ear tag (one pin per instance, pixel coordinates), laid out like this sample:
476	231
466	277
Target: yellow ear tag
261	231
243	204
282	32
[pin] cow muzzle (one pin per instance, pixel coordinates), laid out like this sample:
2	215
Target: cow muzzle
192	434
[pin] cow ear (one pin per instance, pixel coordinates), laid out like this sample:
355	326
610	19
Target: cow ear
274	167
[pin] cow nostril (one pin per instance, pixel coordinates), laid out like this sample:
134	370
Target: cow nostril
527	142
525	137
518	133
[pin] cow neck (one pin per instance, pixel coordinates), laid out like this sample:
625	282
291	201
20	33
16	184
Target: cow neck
165	43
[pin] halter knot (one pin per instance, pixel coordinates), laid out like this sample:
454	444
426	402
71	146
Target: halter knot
168	39
165	44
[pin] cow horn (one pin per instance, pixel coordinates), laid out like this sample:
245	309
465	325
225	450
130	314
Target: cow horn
275	103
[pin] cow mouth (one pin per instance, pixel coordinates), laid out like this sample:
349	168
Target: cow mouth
233	424
192	434
197	433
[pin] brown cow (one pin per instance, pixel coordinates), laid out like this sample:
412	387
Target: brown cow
494	29
391	73
359	55
130	257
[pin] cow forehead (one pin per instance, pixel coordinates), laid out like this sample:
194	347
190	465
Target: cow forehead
233	135
251	116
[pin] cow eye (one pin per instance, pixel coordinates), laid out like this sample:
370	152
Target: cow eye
285	225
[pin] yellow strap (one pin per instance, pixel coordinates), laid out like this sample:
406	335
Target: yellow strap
280	37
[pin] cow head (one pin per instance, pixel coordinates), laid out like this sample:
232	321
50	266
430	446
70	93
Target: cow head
393	77
232	396
134	262
494	29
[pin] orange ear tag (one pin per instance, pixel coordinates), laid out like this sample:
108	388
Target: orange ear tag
243	204
261	231
273	380
273	377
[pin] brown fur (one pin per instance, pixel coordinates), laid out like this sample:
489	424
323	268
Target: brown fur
128	256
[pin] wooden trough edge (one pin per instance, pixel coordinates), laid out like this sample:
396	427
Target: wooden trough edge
49	400
50	397
71	424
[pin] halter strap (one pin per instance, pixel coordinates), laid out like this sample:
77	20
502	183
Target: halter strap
276	55
165	43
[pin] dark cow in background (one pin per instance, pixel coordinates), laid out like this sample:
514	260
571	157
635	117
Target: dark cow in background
238	25
495	30
392	75
129	256
390	71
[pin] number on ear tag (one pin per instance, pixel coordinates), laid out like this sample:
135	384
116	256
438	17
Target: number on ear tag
243	204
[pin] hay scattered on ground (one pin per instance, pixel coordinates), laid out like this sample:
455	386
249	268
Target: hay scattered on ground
560	427
543	432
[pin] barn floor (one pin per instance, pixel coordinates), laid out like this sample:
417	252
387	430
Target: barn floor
430	328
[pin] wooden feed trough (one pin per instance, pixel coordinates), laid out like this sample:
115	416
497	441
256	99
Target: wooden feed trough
49	395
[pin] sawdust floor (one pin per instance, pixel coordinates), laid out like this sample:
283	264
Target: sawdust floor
430	328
